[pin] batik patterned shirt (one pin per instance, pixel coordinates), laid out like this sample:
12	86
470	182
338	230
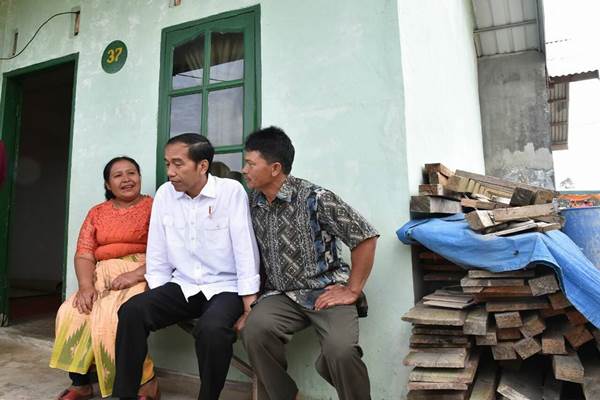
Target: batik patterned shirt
298	234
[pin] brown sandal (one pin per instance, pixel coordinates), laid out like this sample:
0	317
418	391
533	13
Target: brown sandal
155	395
74	394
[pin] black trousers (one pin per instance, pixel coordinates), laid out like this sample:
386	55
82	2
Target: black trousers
164	306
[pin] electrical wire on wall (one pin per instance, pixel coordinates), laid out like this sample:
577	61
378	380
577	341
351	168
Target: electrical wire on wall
35	34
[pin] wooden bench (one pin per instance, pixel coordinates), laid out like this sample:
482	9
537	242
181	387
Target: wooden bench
236	362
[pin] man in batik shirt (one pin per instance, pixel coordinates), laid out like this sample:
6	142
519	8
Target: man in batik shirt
297	226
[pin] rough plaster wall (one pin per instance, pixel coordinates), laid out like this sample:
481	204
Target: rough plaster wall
331	76
439	64
515	118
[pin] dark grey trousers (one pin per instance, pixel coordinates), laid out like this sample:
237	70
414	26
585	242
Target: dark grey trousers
271	325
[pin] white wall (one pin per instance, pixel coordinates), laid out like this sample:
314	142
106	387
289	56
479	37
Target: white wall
439	64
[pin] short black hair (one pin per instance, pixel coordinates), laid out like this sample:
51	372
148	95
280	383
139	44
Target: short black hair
274	145
199	147
108	194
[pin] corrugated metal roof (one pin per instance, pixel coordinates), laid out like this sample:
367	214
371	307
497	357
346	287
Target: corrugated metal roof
506	26
572	56
558	100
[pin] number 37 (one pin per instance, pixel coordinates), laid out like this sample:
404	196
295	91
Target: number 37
113	55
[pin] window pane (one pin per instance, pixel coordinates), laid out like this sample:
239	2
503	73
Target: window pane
227	166
225	116
227	56
188	62
185	114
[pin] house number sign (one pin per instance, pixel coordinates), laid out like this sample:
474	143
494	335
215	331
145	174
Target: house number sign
114	57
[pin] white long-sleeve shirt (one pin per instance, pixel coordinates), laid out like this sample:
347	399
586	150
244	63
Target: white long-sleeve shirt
204	243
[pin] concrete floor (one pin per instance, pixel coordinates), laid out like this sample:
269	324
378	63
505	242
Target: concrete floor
25	349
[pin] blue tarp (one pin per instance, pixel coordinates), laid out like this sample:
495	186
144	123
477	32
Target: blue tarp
452	238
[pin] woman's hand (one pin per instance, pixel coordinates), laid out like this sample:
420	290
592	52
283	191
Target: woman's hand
84	299
126	280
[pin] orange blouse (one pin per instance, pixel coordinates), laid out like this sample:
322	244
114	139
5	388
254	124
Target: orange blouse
110	232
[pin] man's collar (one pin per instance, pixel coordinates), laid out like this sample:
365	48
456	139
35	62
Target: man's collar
209	189
286	192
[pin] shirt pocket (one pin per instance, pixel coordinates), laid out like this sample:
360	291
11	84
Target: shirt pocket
174	231
216	233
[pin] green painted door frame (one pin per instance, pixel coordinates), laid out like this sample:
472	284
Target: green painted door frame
10	124
245	20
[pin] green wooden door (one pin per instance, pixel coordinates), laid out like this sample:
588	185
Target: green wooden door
10	119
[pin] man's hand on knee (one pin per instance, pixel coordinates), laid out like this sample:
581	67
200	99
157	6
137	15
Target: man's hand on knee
336	295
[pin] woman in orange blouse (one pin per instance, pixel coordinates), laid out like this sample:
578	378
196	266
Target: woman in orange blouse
110	266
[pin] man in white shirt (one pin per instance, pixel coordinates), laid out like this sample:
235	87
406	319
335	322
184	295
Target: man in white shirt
201	257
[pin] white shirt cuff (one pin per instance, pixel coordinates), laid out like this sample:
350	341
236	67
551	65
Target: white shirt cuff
155	281
248	286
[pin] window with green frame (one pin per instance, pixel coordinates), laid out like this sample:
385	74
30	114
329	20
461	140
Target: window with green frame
209	85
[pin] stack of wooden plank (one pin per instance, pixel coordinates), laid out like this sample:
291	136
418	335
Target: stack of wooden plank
518	320
492	205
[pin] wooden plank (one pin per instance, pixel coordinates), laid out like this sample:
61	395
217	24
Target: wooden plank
575	317
550	312
437	358
485	383
520	385
477	204
558	301
522	196
504	351
547	227
478	220
515	213
424	315
543	285
437	395
577	336
508	334
473	290
527	347
483	274
440	375
441	267
469	282
552	219
503	291
476	322
434	205
421	347
591	379
443	276
447	304
438	190
509	319
436	386
568	368
533	325
431	256
553	342
497	181
514	228
438	340
457	184
489	339
544	196
439	167
437	178
437	330
518	304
